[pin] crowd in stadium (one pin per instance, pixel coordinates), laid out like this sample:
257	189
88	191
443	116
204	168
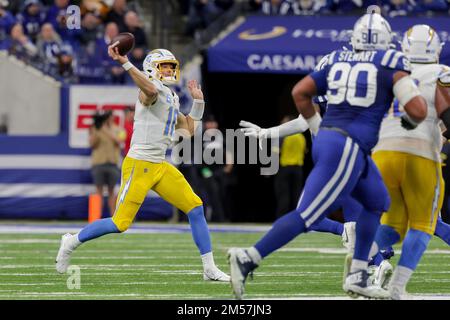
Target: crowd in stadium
35	30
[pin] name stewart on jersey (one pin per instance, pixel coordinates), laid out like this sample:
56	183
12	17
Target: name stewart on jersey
350	56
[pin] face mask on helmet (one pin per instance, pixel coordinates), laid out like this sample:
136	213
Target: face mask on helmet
371	32
421	44
153	66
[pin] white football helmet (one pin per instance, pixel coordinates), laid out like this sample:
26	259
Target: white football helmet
371	32
421	44
152	66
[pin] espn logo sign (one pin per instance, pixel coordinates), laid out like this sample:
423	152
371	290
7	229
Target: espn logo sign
86	112
85	101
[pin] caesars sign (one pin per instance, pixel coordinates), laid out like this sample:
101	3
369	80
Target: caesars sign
85	101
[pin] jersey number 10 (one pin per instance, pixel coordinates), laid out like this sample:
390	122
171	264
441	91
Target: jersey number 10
356	84
171	121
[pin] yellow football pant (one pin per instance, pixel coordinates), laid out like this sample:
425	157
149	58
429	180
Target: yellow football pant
138	177
416	188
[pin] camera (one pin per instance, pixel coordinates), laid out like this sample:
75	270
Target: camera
100	118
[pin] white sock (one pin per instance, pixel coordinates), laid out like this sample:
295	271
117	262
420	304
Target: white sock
374	250
208	260
358	265
401	277
74	242
254	254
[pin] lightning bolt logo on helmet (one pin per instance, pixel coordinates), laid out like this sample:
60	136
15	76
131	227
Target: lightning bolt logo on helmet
152	66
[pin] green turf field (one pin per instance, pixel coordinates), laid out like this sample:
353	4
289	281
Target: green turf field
167	266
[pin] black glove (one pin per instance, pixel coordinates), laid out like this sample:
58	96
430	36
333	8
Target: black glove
407	122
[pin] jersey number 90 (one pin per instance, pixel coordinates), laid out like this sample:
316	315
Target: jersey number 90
355	84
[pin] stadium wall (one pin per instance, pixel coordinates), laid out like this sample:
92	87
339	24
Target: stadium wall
43	176
30	101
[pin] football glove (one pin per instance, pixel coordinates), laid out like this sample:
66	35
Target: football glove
407	122
253	130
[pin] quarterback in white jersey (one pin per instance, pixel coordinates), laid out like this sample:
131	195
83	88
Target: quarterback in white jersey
144	168
408	157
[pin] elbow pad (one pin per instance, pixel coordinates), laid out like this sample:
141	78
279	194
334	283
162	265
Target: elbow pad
405	89
198	107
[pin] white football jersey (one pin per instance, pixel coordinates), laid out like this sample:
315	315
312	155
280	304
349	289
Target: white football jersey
154	125
425	140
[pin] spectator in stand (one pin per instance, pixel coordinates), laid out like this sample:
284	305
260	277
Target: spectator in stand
114	72
20	45
128	126
201	14
99	7
7	21
90	66
133	25
56	15
395	8
272	7
309	7
32	18
117	14
49	48
65	64
351	6
13	6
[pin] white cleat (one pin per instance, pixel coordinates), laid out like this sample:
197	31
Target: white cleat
357	284
349	236
397	293
215	274
383	274
63	257
241	266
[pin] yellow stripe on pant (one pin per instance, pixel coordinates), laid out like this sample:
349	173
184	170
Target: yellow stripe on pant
416	188
138	177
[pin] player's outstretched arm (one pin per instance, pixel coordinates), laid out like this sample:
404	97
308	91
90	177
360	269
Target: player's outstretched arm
298	125
149	92
193	120
408	95
302	93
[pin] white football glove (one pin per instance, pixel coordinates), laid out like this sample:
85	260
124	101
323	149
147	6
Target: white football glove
252	130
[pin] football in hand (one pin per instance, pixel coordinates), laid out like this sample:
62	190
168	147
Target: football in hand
125	42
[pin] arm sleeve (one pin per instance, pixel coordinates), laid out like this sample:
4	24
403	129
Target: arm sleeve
298	125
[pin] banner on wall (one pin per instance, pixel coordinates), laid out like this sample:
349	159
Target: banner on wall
85	101
295	44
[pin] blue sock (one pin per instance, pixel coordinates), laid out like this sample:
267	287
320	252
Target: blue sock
386	236
199	229
283	230
413	247
376	260
366	228
443	230
97	229
328	225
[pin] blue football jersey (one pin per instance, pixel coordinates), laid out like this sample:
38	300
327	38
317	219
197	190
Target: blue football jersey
358	87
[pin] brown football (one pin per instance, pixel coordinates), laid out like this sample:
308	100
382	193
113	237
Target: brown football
126	42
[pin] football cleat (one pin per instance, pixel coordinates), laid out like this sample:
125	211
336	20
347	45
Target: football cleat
215	274
397	293
63	257
241	265
349	236
383	274
357	283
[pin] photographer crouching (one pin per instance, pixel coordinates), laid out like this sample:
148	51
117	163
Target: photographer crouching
105	139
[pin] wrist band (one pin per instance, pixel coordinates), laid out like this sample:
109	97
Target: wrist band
127	65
